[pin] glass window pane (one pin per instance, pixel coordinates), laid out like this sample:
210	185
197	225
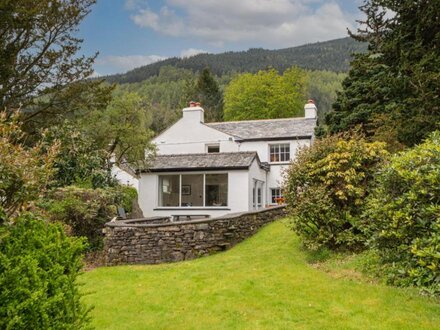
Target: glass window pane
192	190
216	189
169	190
213	149
276	193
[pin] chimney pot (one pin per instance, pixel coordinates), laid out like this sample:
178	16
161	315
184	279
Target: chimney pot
192	104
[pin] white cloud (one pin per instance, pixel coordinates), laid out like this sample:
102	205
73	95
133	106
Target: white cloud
269	23
191	52
129	62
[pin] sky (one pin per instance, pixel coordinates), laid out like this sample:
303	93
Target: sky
131	33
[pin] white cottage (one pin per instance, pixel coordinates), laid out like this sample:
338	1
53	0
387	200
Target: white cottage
210	169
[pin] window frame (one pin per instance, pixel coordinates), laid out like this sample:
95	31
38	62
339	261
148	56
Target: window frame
283	149
272	197
207	146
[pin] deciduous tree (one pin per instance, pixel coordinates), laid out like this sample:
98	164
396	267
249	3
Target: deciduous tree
266	95
40	71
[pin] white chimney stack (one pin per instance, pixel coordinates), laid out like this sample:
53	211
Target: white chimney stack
194	112
310	110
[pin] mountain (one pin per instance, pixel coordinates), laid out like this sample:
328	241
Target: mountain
333	55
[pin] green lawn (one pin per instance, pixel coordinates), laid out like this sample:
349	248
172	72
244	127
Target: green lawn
262	283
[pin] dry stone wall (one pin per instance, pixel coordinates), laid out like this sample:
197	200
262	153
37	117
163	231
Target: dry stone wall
158	240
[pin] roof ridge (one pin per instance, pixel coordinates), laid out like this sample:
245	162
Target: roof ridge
256	120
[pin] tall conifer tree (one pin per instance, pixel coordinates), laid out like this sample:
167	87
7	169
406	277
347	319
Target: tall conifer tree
395	87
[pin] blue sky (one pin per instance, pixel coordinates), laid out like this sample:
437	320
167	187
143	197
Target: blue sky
131	33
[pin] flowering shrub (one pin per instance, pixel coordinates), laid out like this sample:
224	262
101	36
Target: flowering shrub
325	189
24	172
404	213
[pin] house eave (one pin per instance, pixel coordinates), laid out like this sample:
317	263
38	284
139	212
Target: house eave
279	138
194	169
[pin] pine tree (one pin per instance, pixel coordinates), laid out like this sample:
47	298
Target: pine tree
395	86
208	93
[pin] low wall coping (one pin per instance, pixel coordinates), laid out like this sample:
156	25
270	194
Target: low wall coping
135	222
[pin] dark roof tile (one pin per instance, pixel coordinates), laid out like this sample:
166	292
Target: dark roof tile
268	129
212	161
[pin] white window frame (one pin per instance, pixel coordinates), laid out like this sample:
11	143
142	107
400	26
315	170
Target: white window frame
279	153
278	196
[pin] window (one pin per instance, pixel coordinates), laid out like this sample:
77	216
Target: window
212	148
276	194
279	152
259	197
193	190
169	190
216	190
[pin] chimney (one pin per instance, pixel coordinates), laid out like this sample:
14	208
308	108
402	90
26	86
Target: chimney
194	112
310	110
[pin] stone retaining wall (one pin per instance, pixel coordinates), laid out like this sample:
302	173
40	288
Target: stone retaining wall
158	240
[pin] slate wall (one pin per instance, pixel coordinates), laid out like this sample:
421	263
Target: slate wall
158	240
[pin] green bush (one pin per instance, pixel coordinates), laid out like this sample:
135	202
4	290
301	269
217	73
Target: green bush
325	188
405	212
39	266
85	211
126	195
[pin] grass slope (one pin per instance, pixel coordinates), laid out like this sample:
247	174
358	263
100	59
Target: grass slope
263	283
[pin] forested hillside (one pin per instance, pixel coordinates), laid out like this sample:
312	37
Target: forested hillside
333	55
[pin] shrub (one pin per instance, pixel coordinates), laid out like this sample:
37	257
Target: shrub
126	195
39	266
85	211
24	172
405	212
79	161
325	188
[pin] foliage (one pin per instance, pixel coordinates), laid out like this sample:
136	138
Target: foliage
126	196
282	288
85	211
322	87
333	55
122	128
169	92
40	72
25	173
405	215
78	161
398	77
325	187
39	266
207	92
266	95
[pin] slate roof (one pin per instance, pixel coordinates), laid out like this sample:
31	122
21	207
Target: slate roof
254	130
206	162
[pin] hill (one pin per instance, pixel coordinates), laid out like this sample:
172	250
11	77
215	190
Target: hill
333	55
262	283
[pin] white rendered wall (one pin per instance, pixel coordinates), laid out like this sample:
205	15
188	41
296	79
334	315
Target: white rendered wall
262	147
256	174
124	177
237	197
191	136
275	175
